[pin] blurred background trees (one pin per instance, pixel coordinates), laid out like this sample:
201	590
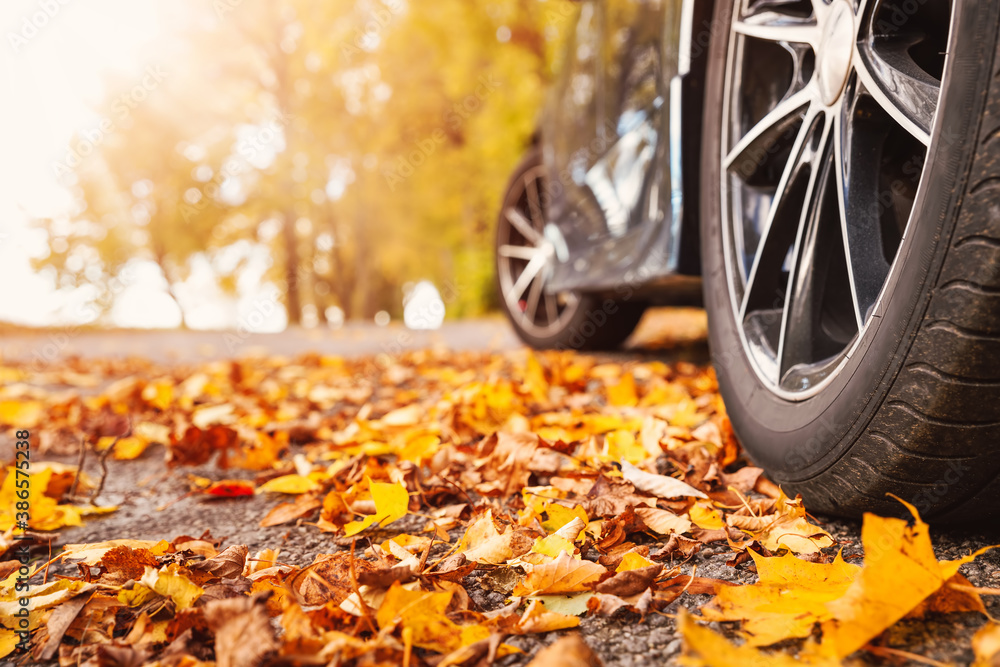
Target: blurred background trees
338	150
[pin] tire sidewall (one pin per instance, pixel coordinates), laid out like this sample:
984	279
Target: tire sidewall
795	441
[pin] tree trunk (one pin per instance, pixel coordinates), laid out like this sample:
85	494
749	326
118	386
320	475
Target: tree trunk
293	300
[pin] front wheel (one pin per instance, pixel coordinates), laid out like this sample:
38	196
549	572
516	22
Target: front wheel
851	247
524	257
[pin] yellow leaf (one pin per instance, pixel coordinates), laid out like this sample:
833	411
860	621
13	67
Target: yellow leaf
8	642
789	598
42	597
537	618
159	393
126	449
622	394
170	583
46	512
900	572
559	516
420	449
553	545
633	561
986	645
423	615
391	501
703	647
139	595
565	574
622	445
705	516
21	414
293	484
574	604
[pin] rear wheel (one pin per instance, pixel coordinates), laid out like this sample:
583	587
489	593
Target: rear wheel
524	260
850	246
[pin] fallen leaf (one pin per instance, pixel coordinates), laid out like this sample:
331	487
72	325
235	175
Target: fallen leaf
243	633
564	574
568	651
391	501
537	618
660	486
290	484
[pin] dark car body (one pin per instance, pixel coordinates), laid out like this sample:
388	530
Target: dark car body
620	139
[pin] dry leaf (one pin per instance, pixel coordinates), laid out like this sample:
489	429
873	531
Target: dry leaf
568	651
660	486
564	574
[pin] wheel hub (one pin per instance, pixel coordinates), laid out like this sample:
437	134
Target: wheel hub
835	51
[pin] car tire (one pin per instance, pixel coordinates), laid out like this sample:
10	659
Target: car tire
582	321
912	406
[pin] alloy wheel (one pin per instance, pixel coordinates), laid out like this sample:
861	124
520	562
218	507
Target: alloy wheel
525	257
829	109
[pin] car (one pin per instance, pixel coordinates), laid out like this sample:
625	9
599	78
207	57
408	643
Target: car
822	175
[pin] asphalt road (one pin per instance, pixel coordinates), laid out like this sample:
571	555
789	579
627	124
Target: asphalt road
155	505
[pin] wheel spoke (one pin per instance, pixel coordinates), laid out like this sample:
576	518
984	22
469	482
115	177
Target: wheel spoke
523	280
534	293
551	308
777	27
769	251
763	136
802	298
527	253
857	155
906	92
521	224
841	169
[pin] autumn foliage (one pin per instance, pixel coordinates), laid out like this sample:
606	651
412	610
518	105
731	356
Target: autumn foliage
571	485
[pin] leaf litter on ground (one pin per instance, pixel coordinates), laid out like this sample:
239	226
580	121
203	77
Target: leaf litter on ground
570	484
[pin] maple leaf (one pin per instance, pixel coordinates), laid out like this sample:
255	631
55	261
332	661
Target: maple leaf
789	598
900	572
391	502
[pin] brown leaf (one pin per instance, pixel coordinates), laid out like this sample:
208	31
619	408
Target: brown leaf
383	578
328	580
743	480
630	582
677	545
123	563
229	563
243	633
302	506
60	620
568	651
